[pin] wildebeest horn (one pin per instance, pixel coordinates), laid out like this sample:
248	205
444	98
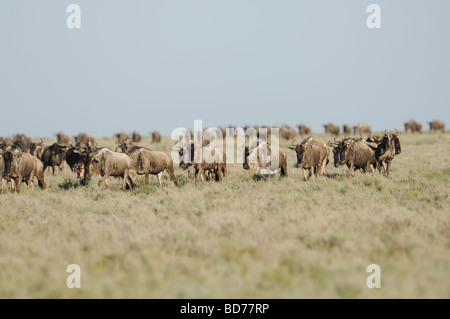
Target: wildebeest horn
116	148
332	144
293	143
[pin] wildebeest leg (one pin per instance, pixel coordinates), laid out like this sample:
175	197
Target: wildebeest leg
126	173
220	172
200	173
41	182
172	175
4	184
29	181
147	180
381	167
388	163
305	174
130	183
350	171
103	179
53	169
159	176
18	181
323	165
284	172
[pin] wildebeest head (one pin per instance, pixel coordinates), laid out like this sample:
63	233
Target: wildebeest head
124	145
336	145
12	159
58	149
342	150
300	149
186	153
396	140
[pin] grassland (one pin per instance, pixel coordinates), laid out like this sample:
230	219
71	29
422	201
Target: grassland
244	238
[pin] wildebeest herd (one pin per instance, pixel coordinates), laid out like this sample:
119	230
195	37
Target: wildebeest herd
22	159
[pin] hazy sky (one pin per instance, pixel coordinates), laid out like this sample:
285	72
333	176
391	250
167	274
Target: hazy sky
161	64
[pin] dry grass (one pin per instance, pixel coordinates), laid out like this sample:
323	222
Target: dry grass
244	238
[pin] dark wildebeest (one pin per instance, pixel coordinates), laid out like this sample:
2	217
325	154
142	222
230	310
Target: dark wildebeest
386	151
355	153
331	128
362	128
262	155
78	157
110	163
20	166
413	126
156	137
312	155
346	129
145	162
304	129
53	156
62	139
437	126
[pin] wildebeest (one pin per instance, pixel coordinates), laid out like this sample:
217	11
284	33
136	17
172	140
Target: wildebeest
304	129
20	166
205	158
80	153
362	128
386	151
355	153
156	137
262	155
2	171
287	132
145	162
136	137
437	125
331	128
23	142
110	163
5	142
62	139
346	129
53	156
122	136
413	126
37	148
312	156
84	138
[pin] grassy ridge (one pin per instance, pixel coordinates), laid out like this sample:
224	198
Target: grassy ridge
243	238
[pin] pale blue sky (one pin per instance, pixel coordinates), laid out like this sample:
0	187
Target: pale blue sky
157	65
